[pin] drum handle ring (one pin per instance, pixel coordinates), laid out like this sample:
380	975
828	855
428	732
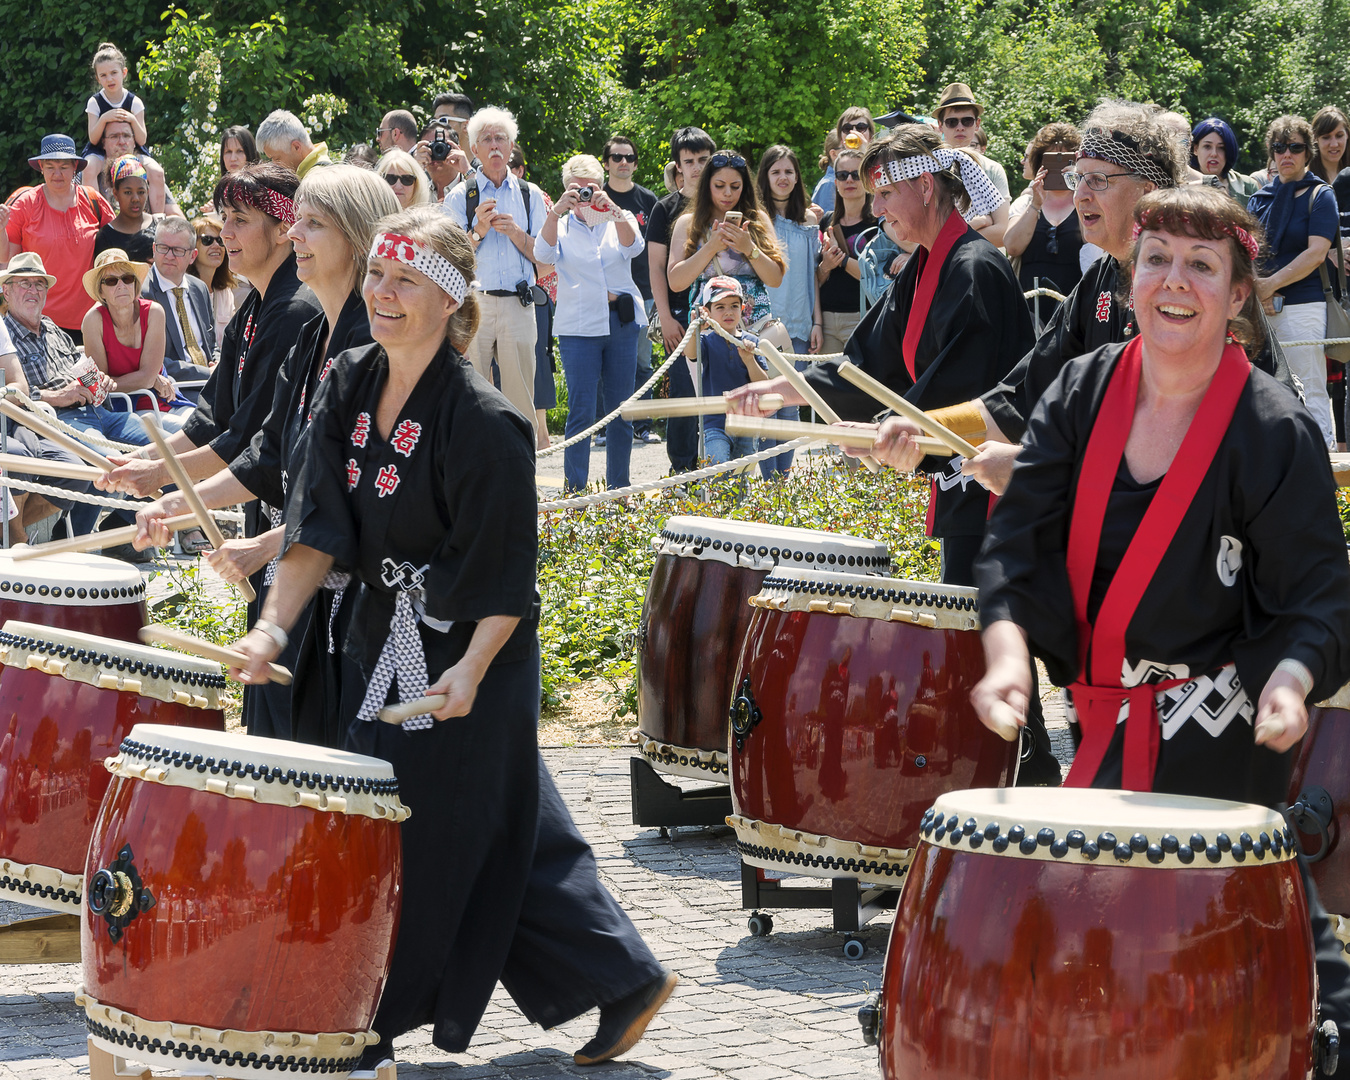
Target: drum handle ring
1026	745
117	894
1314	812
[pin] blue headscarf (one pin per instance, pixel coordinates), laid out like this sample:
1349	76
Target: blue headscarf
1215	126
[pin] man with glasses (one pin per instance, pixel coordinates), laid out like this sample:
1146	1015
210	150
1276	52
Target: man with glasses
620	162
397	131
190	326
502	218
960	118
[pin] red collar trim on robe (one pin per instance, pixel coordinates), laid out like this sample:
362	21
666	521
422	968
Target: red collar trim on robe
1102	644
930	269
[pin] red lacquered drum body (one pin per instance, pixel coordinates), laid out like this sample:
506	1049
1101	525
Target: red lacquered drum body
1027	944
694	621
852	715
86	593
273	903
67	701
1324	762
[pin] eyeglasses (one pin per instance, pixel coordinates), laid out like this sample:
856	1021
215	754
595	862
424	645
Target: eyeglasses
1097	181
125	279
632	158
721	161
166	249
1289	148
848	174
406	179
955	122
381	131
208	240
35	284
856	125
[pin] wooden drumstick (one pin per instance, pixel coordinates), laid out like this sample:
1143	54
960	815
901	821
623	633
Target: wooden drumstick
795	429
159	634
31	420
396	714
18	463
94	540
1003	720
697	406
892	400
789	371
184	482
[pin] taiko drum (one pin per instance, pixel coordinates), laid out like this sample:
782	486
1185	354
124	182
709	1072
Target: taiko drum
243	902
1319	795
66	702
694	620
851	714
1099	934
89	594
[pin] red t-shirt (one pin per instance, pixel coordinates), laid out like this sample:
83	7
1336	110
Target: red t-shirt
123	359
65	241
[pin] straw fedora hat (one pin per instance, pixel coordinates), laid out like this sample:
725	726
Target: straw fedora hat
112	259
954	95
26	264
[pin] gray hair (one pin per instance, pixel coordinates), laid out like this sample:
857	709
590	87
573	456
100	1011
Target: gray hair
1141	131
172	225
582	166
281	128
491	116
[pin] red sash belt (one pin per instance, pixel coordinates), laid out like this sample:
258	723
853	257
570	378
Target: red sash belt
925	287
1101	645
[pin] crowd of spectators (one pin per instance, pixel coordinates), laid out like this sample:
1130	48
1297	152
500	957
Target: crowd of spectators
602	269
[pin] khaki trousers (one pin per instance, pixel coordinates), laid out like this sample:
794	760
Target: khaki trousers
508	331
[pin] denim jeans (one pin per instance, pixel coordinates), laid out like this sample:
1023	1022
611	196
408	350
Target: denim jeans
118	426
590	363
722	447
644	367
783	462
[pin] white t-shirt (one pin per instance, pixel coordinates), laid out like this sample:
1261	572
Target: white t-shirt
136	108
6	343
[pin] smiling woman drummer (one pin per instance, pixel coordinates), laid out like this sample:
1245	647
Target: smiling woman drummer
418	478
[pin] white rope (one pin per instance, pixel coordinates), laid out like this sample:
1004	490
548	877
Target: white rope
676	354
1318	341
91	437
6	480
1044	292
677	479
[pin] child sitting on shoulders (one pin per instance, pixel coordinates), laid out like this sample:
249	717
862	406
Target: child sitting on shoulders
113	102
724	368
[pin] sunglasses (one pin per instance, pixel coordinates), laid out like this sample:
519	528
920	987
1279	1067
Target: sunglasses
405	179
955	122
208	240
848	174
1052	241
1288	147
721	161
632	158
857	125
125	279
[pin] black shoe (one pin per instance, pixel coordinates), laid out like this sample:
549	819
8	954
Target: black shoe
127	553
371	1059
625	1021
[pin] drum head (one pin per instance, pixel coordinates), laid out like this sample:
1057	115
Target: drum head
1108	827
70	579
761	547
924	603
277	755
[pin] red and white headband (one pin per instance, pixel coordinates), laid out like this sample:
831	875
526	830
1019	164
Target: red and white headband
1237	232
272	203
984	197
424	260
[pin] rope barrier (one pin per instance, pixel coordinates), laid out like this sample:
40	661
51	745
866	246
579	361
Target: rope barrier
92	438
676	480
676	354
1030	293
1317	341
110	503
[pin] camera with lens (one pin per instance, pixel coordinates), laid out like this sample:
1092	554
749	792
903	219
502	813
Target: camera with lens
584	194
443	139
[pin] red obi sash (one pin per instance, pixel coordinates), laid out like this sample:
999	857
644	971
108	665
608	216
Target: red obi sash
1098	693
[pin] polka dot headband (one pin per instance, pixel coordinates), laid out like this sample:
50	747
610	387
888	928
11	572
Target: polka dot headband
1237	232
272	203
984	197
409	252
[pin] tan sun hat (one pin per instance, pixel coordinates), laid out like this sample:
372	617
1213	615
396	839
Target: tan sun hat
26	264
111	259
957	95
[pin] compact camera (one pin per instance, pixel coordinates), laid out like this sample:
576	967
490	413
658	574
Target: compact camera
585	194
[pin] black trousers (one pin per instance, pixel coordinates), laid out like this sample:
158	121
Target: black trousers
1333	973
681	431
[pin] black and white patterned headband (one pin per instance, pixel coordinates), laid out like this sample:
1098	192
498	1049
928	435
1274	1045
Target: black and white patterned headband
984	197
1113	147
423	259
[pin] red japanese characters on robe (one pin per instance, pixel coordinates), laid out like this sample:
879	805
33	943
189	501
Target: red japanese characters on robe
353	474
386	480
361	433
405	437
1104	307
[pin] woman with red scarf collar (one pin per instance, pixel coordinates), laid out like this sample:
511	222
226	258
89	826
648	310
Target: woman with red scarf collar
1169	542
950	328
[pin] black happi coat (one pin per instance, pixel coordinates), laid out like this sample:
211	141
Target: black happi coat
307	710
977	328
1090	317
1256	572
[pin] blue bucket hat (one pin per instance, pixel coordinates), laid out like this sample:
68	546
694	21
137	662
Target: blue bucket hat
1215	126
55	148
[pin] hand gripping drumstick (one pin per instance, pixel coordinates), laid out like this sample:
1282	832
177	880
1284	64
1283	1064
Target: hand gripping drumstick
1004	721
180	477
396	714
35	423
158	634
795	429
697	406
892	400
90	541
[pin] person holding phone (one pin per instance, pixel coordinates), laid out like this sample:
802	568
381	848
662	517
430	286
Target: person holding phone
844	232
592	241
1045	235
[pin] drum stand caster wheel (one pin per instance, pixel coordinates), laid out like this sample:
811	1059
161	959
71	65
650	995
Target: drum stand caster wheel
854	948
761	925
